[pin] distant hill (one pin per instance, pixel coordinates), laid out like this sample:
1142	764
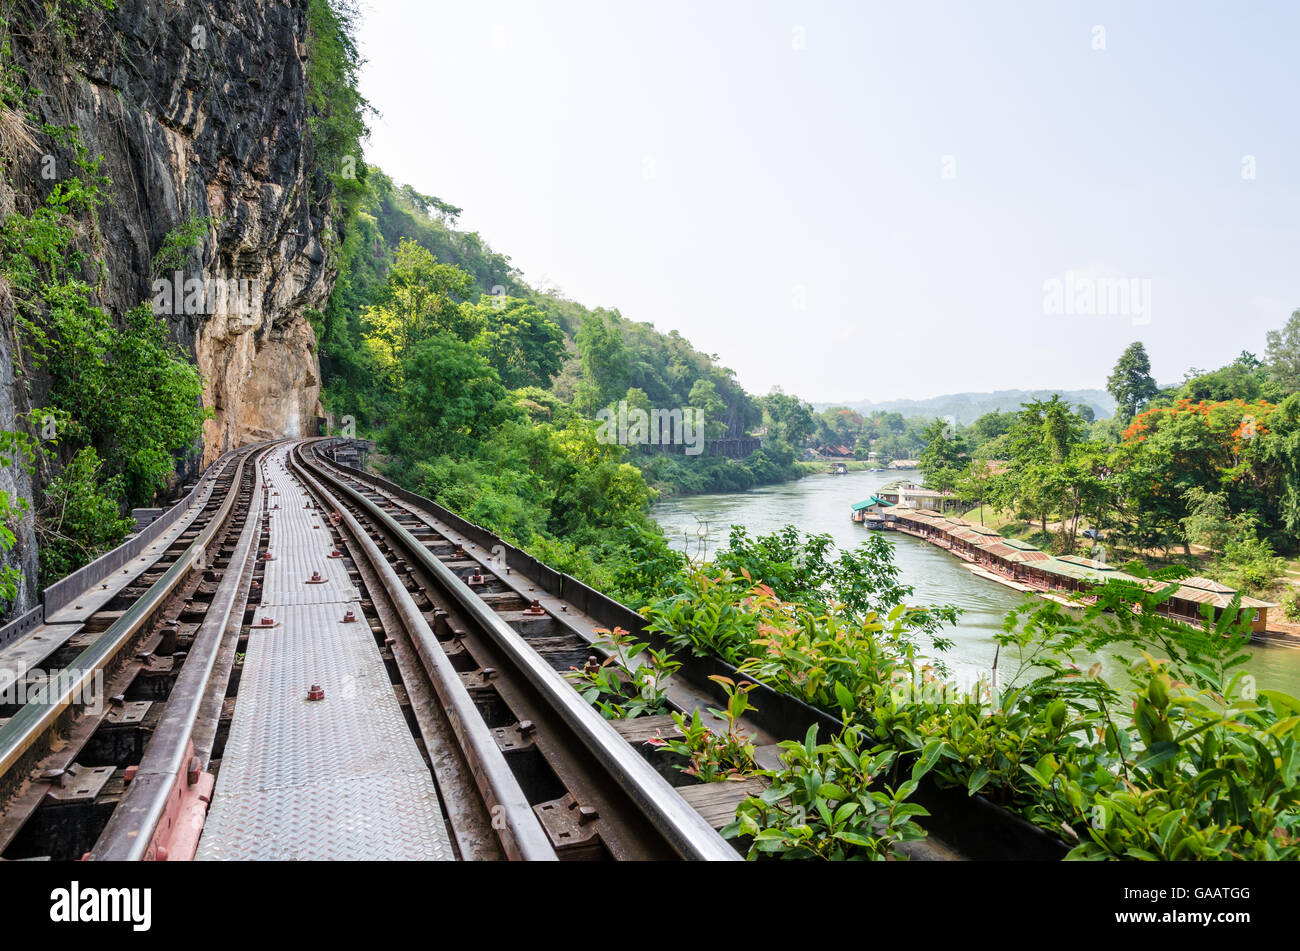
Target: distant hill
967	407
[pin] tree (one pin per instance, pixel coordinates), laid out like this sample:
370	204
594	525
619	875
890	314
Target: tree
524	346
704	398
944	457
788	418
1047	471
1284	352
1208	522
450	400
604	363
420	298
1131	383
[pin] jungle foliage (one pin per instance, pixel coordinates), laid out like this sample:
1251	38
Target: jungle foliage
1186	759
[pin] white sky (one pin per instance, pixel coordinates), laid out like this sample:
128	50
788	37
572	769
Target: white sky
687	164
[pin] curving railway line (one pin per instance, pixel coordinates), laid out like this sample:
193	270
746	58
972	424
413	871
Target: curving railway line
302	667
301	660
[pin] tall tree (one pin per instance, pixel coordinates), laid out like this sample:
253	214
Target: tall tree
789	418
524	346
1131	383
420	298
604	363
1284	352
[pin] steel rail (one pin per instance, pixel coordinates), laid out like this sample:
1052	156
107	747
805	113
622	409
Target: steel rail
25	728
134	823
520	831
682	828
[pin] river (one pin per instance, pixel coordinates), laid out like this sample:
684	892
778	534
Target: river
820	504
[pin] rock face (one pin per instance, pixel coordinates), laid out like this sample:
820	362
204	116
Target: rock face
199	110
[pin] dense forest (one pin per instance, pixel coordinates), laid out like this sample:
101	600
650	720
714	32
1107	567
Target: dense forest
483	393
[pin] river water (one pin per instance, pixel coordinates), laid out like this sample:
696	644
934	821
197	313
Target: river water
820	504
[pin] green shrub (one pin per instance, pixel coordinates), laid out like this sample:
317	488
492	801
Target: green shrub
79	517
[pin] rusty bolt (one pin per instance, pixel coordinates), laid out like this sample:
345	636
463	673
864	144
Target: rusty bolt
348	617
336	553
192	771
317	692
526	727
316	578
535	608
266	622
591	666
130	774
587	814
489	672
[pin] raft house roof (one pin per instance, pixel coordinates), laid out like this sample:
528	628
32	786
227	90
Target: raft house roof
1197	589
1022	545
1010	553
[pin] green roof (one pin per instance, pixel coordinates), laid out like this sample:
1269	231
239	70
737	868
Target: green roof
867	503
1072	569
1023	546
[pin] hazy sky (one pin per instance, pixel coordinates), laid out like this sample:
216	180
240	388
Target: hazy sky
855	200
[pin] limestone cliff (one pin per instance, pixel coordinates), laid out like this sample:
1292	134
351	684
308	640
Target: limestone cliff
200	112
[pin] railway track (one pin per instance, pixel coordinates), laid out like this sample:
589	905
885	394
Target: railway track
87	688
310	662
523	767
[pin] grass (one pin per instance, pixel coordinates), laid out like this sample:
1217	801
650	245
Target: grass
16	132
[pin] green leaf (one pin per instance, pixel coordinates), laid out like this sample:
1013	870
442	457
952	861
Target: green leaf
854	838
1158	753
977	781
844	811
1281	701
929	756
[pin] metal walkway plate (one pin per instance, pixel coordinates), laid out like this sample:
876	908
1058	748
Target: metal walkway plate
338	778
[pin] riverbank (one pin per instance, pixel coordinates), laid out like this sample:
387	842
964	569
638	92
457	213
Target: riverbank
1067	579
699	524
